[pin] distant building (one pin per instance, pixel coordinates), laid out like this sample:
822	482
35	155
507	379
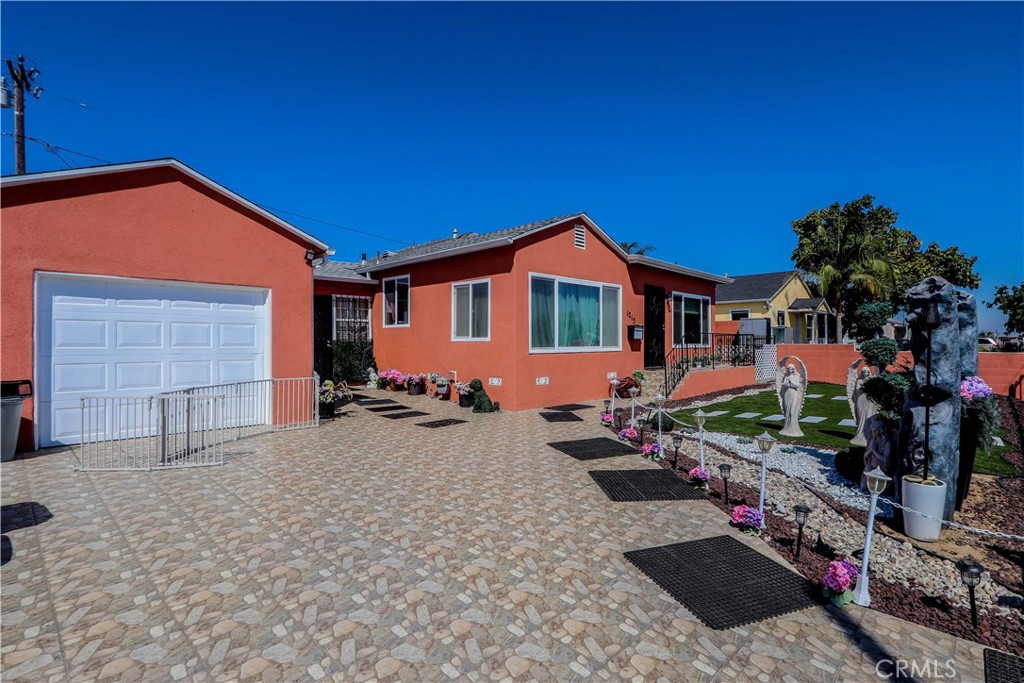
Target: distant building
796	315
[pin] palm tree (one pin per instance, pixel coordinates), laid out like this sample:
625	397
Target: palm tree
843	257
635	248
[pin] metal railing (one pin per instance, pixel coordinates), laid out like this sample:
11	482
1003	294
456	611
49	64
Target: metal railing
188	427
152	432
711	350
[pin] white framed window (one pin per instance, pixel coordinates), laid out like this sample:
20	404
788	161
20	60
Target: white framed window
396	301
691	318
780	318
471	310
739	314
569	315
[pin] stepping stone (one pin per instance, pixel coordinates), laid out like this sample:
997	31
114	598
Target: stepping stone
642	485
569	407
847	423
838	398
725	583
749	416
434	424
996	441
561	416
813	419
814	395
774	418
716	413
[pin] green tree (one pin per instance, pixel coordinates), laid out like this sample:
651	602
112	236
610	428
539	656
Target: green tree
1011	303
636	248
841	249
911	264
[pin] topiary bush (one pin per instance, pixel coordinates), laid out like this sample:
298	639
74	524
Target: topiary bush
351	359
880	352
887	391
481	401
868	321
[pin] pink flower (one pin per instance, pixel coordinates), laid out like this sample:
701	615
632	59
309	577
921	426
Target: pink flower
838	579
739	514
699	473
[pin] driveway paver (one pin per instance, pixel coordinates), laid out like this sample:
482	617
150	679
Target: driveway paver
372	549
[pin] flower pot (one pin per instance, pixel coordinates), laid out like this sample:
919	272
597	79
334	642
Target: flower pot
970	428
465	400
327	411
927	497
416	389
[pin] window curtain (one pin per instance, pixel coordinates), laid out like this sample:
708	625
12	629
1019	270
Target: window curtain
542	314
480	313
579	315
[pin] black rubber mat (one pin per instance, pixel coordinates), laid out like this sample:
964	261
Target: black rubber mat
434	424
360	397
384	409
723	582
569	407
592	449
408	413
636	485
1001	667
561	416
375	401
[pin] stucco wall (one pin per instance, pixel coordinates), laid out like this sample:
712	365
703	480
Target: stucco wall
700	382
154	224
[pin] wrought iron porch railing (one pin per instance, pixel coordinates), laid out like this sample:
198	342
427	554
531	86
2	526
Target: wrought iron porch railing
711	350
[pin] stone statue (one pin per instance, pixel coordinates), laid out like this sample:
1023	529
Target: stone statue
860	406
937	401
371	382
791	385
880	447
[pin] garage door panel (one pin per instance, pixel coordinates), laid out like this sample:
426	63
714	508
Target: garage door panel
77	334
67	422
116	337
139	334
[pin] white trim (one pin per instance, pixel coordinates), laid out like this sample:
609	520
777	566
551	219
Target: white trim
710	322
739	310
574	281
48	176
470	283
384	303
579	236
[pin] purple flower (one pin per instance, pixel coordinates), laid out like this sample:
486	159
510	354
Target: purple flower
838	579
753	518
974	388
699	473
850	567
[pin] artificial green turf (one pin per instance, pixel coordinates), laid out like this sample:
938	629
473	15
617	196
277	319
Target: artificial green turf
827	434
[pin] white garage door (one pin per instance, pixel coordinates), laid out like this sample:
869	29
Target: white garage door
119	337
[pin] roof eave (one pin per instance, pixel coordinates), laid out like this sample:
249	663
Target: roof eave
339	278
434	256
673	268
49	176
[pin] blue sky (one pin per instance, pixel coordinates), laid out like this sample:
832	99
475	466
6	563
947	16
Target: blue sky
703	129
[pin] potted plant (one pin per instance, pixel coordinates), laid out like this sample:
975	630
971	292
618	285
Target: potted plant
465	393
395	379
747	519
416	383
327	398
699	477
839	581
979	416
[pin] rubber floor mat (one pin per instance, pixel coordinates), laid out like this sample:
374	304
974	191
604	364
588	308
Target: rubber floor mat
724	582
1001	667
592	449
384	409
375	401
569	407
561	416
637	485
434	424
401	416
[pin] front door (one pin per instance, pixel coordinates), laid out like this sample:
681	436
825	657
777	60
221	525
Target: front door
654	326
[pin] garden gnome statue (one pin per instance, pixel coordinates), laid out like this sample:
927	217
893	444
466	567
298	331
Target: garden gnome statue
791	383
934	395
860	406
371	382
879	449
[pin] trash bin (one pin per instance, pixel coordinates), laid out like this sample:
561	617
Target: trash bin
12	396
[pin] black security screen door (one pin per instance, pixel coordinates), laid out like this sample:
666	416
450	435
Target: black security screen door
654	326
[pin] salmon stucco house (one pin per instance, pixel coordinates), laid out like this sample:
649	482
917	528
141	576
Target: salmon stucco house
542	313
140	278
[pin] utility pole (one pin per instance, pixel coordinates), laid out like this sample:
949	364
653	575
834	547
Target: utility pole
22	82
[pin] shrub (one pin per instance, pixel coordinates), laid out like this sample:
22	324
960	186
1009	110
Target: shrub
351	359
880	352
869	320
888	391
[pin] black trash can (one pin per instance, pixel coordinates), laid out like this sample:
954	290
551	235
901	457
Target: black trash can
12	396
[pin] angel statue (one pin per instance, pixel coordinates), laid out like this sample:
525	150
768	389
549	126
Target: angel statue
790	384
861	407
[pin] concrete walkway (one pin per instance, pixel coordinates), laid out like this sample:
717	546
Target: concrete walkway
372	548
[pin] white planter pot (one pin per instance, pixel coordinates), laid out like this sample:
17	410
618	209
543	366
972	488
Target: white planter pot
928	497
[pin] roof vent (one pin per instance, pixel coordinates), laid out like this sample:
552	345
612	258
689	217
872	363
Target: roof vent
580	237
455	233
388	253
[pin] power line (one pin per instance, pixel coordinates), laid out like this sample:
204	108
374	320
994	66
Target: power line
55	149
338	225
81	105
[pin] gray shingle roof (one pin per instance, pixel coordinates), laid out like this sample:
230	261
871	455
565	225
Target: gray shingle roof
339	270
438	247
759	287
806	304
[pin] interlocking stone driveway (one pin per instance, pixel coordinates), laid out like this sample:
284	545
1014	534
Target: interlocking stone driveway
371	548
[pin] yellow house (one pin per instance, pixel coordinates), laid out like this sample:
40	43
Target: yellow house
794	313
